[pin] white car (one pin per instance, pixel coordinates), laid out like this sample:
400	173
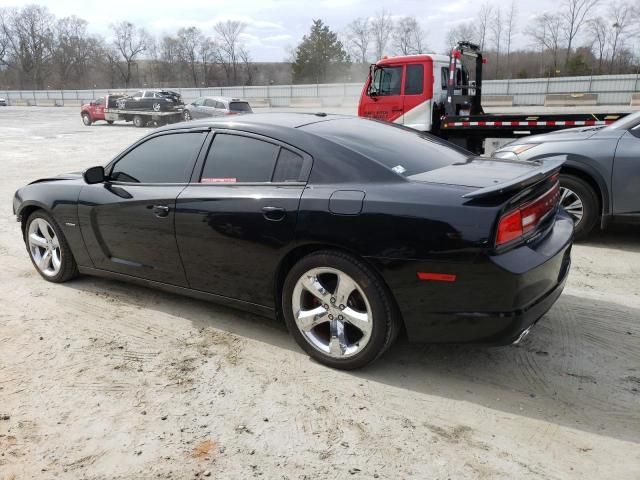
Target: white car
3	102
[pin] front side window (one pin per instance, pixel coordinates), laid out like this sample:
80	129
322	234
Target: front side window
99	102
414	81
386	81
235	158
199	102
162	159
209	103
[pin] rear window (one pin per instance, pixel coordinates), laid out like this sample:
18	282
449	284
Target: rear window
404	151
239	107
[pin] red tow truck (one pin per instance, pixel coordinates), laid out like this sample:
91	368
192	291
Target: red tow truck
435	93
106	108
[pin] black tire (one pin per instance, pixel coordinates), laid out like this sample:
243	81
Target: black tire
590	203
186	115
68	267
157	107
138	121
385	320
110	122
86	119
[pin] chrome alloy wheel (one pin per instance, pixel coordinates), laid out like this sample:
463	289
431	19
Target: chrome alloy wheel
44	247
332	312
157	107
572	203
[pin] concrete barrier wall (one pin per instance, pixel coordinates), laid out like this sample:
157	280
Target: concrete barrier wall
570	99
497	101
609	90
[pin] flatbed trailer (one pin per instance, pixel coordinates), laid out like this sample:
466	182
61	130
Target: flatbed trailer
142	118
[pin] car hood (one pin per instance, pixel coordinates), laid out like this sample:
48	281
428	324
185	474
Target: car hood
567	135
62	176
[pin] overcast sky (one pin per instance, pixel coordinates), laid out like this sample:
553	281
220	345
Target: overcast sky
275	25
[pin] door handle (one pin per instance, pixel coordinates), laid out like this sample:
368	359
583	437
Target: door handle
161	210
275	214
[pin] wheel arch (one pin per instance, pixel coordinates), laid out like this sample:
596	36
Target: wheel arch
594	180
26	210
300	251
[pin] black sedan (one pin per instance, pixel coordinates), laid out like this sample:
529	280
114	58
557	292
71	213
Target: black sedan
350	229
151	100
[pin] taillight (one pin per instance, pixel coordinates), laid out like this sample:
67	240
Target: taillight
527	217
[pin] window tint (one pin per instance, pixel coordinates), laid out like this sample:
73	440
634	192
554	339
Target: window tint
99	101
199	102
406	152
137	95
289	167
220	105
234	158
415	80
163	159
386	81
445	77
239	107
209	103
148	95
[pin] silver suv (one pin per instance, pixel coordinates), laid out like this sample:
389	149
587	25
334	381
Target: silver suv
215	107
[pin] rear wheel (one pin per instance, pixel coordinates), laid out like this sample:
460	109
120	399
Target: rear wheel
86	119
138	121
338	311
580	201
48	248
186	115
157	107
110	122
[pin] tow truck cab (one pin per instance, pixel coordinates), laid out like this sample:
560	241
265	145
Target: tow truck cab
417	90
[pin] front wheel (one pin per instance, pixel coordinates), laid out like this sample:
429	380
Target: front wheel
110	122
338	311
86	119
186	115
581	202
48	248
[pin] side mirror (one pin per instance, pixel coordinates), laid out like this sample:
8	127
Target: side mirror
94	175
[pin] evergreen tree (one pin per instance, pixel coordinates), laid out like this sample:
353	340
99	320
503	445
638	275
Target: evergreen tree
320	57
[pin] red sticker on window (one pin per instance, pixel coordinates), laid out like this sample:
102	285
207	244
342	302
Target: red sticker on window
218	180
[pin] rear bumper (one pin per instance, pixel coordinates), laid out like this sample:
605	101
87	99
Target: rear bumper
493	299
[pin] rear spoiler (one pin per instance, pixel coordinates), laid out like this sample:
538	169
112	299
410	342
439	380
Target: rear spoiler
548	166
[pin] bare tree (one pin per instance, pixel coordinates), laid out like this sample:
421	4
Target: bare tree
497	29
74	50
599	32
189	40
407	36
576	13
246	62
4	38
207	51
129	42
510	25
482	25
461	32
228	34
358	38
621	16
381	28
546	32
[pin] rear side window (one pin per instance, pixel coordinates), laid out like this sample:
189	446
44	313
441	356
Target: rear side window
163	159
209	103
235	158
289	167
239	107
220	105
414	81
404	151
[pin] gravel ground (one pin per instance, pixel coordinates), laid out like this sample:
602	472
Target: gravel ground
104	380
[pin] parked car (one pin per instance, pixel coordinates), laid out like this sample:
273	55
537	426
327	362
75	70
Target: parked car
155	100
599	181
215	107
351	229
3	102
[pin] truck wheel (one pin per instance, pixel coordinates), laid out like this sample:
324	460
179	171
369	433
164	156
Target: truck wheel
581	202
86	119
157	107
110	122
138	121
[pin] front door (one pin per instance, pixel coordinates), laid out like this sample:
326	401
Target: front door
384	99
128	222
626	174
234	223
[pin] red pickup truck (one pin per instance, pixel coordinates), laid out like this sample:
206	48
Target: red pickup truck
106	108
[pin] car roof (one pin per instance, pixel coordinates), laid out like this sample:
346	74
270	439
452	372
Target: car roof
224	99
274	119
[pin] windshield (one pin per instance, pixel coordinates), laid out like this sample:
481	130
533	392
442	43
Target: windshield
402	150
625	123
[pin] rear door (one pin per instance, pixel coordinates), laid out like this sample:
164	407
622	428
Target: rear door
237	218
384	99
128	222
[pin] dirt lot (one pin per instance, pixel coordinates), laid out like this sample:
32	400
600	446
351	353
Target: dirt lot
104	380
